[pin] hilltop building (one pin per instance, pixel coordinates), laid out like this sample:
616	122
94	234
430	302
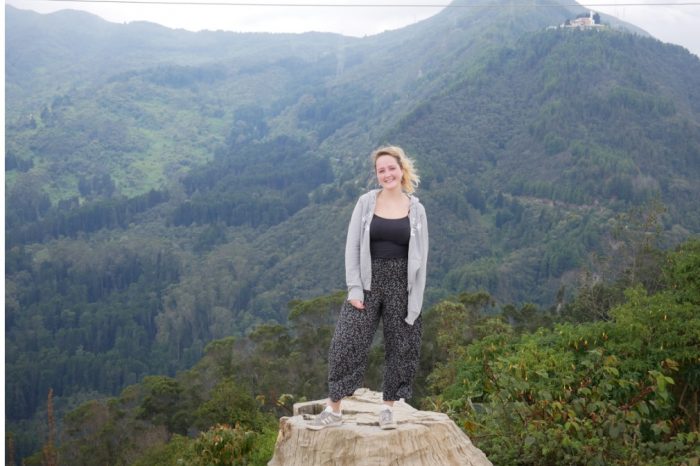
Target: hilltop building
584	21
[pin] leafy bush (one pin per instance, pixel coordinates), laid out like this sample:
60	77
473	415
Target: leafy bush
620	392
221	445
224	445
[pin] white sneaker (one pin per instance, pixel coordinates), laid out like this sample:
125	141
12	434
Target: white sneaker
386	419
327	418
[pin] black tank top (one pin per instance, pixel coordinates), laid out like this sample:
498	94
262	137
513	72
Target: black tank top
388	237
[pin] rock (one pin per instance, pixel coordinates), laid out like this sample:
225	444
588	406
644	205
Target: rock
422	437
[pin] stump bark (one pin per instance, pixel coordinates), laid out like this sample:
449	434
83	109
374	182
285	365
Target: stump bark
422	438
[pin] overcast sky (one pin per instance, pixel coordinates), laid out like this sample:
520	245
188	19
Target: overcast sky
678	24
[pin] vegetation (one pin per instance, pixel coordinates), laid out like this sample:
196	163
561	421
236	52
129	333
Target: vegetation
619	391
222	411
528	387
166	190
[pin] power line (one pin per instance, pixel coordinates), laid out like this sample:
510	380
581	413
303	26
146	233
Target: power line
373	5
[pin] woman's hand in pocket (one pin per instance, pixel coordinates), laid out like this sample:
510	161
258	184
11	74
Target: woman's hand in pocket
357	304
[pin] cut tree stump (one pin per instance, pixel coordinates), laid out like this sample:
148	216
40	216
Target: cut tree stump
422	437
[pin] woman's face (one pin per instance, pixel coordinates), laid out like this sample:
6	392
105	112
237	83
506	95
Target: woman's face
389	172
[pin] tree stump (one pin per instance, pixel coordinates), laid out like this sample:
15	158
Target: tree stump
422	437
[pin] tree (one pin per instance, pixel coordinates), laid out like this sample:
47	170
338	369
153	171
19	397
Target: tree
49	451
9	449
230	403
162	402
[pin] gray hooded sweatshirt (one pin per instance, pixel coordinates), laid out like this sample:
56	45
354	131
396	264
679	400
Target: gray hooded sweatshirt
358	261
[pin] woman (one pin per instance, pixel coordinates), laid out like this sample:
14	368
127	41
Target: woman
386	254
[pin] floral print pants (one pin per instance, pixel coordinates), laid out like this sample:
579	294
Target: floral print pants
354	332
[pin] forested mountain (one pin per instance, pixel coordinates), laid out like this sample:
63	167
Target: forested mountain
167	188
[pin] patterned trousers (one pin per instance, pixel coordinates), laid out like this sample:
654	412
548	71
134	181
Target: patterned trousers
354	332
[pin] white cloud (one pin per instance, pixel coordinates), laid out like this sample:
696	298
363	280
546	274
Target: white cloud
676	24
355	21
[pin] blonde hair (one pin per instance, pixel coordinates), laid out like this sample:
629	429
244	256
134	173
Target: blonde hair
410	178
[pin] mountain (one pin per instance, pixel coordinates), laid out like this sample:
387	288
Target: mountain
166	188
569	126
49	55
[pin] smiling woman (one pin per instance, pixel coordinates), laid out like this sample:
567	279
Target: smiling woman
386	255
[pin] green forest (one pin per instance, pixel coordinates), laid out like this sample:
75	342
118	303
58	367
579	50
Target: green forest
176	209
530	386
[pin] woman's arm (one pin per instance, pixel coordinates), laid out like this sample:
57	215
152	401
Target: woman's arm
352	256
